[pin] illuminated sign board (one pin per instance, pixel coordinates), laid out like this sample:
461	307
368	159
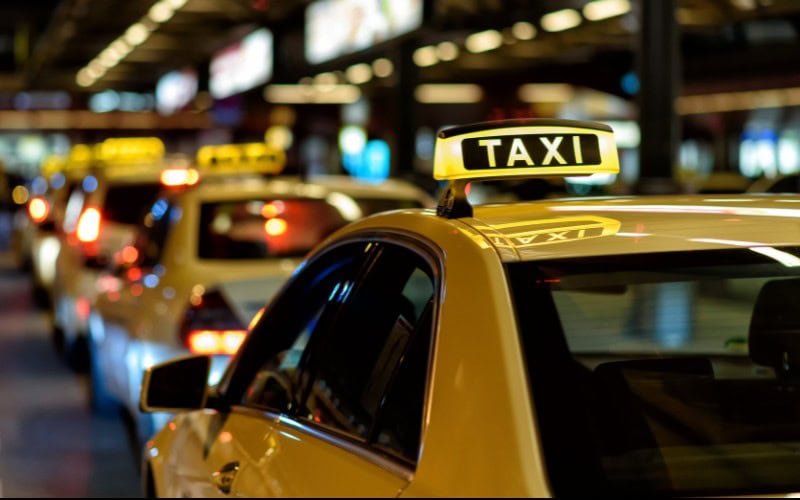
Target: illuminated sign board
339	27
242	66
175	90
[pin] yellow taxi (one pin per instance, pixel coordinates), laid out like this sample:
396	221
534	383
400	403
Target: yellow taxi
213	247
45	214
572	347
122	180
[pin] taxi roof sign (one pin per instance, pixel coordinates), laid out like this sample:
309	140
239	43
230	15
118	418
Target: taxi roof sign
525	148
129	150
245	158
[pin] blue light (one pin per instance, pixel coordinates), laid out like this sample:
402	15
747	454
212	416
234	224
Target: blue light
89	183
159	269
57	180
630	83
159	209
377	155
150	281
38	185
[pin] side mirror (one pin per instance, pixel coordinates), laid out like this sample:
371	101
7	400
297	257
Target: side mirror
175	385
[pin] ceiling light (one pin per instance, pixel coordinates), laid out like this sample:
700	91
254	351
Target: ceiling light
560	20
382	67
603	9
425	56
545	92
160	12
447	51
308	94
442	93
484	41
523	30
84	79
359	73
137	34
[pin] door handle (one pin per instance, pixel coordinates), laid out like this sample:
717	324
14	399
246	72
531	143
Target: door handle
223	478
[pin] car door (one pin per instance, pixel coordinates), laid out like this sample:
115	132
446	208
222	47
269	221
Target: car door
121	305
353	392
264	376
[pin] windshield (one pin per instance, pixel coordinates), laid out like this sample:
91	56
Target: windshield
670	373
286	227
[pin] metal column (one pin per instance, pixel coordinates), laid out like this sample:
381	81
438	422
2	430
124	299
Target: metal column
659	72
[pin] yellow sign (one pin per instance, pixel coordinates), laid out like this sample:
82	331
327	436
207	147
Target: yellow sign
129	150
525	148
253	158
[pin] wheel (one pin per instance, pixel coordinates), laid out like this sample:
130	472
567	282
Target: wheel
41	297
76	353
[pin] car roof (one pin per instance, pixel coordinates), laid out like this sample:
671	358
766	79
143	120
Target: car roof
570	228
626	225
319	186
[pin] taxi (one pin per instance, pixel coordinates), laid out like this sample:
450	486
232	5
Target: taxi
121	181
216	243
45	215
570	347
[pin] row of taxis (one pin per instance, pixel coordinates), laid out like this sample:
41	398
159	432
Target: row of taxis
585	347
219	238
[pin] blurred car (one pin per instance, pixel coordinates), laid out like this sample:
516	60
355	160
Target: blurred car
616	346
206	259
25	223
99	219
39	233
788	183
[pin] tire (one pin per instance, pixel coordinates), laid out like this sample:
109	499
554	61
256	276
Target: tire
101	402
77	355
41	297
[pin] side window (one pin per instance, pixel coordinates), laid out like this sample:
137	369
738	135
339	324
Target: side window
153	232
278	343
366	376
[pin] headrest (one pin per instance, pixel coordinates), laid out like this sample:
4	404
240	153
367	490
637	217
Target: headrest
774	337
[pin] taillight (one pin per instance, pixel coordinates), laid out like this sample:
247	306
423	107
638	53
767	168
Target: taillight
210	326
38	209
89	225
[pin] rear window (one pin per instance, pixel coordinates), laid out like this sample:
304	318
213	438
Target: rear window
126	203
665	374
253	229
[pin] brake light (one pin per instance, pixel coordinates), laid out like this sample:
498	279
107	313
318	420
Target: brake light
174	177
38	209
215	341
210	326
89	225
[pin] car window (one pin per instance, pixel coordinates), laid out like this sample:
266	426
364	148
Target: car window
125	203
152	234
669	374
278	343
259	228
366	375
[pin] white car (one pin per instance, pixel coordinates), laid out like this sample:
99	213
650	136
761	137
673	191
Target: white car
206	259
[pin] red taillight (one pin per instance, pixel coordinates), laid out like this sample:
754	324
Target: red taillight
89	225
215	341
210	326
38	209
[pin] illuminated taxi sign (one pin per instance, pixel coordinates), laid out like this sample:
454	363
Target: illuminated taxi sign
130	150
247	158
525	148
